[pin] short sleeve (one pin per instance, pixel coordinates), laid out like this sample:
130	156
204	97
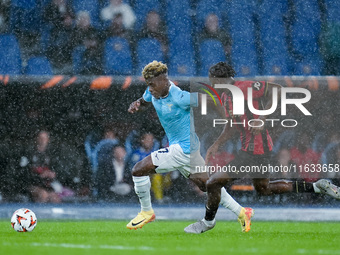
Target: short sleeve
185	99
147	95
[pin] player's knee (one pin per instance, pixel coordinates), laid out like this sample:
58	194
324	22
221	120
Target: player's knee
140	169
213	184
136	170
202	186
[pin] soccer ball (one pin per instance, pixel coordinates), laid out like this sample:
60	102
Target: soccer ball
23	220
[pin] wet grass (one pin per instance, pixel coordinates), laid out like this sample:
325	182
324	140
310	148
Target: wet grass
167	237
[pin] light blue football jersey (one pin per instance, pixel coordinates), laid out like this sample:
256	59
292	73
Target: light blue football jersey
176	116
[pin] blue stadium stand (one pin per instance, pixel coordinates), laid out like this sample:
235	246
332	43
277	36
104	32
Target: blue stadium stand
333	10
117	57
308	66
39	65
10	55
244	54
206	7
142	8
91	6
77	55
178	20
244	59
211	51
305	34
148	50
182	58
273	37
24	16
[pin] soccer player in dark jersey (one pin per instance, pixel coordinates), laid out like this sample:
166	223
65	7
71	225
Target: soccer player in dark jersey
256	147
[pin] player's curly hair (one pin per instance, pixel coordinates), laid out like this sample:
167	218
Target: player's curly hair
154	69
222	70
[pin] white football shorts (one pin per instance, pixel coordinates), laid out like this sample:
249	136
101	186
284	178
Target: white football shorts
173	158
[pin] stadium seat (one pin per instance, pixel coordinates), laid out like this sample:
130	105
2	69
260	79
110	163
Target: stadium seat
178	19
45	37
244	53
148	50
117	56
308	66
181	58
142	8
210	52
206	7
77	55
306	28
24	16
305	38
273	37
91	6
39	65
10	55
244	59
332	10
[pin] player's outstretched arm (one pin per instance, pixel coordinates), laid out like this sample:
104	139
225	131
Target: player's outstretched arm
138	105
269	100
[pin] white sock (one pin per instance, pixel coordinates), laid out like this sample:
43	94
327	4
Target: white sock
316	189
209	223
142	189
228	202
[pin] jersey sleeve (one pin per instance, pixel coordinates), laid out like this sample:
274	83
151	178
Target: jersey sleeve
147	95
186	99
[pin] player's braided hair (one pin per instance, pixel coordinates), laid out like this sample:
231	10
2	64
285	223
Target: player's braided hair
222	70
154	69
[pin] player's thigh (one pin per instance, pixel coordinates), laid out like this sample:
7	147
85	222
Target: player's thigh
144	167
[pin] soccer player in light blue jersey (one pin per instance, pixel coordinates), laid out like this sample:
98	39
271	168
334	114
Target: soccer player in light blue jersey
173	109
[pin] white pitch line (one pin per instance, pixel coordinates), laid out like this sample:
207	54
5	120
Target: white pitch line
85	246
147	248
320	251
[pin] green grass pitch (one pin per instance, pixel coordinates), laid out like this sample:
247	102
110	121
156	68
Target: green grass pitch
168	237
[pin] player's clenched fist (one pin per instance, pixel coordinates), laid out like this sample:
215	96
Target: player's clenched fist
138	105
134	106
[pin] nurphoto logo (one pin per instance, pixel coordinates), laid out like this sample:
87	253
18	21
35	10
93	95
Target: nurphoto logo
238	104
